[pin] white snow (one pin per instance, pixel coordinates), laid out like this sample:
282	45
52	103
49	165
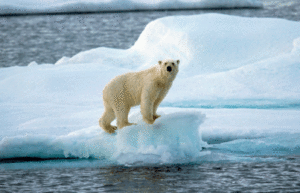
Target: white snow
226	62
177	137
60	6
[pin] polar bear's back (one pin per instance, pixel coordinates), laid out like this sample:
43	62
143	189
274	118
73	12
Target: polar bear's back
126	88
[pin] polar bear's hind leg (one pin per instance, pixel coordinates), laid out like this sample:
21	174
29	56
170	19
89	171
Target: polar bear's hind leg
107	117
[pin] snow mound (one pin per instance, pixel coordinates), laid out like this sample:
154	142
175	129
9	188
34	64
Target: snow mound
224	58
173	138
211	43
69	6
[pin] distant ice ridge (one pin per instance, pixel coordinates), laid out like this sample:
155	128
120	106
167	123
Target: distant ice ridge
61	6
174	138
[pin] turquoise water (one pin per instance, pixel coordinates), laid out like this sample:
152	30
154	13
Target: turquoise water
238	103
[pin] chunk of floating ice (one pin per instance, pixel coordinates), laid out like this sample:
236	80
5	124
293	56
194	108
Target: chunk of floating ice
172	138
34	63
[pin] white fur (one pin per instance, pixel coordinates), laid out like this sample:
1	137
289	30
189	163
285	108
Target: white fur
146	88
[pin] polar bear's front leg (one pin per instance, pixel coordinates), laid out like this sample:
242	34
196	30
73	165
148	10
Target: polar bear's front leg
155	106
147	105
159	99
147	112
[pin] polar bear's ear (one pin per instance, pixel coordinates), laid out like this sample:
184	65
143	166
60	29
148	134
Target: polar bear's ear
159	62
178	62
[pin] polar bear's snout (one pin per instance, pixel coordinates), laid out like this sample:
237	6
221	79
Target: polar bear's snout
169	68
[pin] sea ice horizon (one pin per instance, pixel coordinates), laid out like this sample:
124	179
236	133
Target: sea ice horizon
16	7
240	76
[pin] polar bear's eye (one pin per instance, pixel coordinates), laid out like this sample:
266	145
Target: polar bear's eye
173	64
166	63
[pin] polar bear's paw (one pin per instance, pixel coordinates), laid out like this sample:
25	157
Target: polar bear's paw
120	126
156	116
110	129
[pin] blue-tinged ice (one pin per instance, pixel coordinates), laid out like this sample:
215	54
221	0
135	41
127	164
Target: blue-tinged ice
173	138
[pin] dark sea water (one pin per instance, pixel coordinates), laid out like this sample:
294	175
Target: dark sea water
206	177
46	39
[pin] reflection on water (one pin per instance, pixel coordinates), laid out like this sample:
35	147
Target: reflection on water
232	177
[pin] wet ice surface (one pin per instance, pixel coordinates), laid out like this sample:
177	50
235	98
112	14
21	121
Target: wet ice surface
263	177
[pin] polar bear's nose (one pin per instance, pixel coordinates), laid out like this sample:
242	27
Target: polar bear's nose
169	68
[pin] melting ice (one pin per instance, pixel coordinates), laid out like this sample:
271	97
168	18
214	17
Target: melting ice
245	71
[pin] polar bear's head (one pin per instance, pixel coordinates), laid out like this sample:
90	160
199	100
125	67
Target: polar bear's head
169	68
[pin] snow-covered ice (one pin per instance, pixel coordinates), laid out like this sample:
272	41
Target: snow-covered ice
174	137
179	136
243	69
66	6
223	58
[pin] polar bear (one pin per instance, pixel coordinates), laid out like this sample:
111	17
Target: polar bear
146	88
